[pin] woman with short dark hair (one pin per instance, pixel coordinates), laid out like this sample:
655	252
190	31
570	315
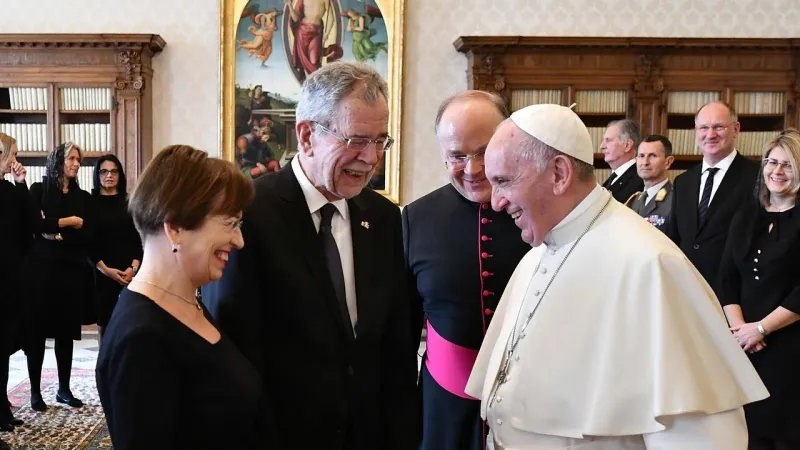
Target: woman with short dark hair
116	248
167	377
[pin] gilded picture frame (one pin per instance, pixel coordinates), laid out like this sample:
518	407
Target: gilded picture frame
263	63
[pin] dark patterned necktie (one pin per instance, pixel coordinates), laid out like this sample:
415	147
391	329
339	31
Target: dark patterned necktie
705	201
333	261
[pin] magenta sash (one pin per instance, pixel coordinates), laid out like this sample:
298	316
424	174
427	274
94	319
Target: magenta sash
449	364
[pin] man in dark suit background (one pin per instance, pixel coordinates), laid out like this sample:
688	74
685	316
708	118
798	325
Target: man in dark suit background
619	147
652	162
701	210
317	297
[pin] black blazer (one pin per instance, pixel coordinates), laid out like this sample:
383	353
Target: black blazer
277	303
703	243
628	184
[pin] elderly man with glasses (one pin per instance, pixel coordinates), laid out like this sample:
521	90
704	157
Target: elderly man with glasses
460	255
317	298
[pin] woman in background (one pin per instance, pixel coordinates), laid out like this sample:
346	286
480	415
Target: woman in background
58	267
166	375
116	248
16	233
761	294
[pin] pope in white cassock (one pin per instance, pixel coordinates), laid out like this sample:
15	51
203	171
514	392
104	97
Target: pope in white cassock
607	337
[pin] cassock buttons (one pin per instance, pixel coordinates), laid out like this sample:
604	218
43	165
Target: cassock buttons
536	293
485	274
759	252
544	270
485	238
484	220
500	422
484	255
757	277
755	269
488	312
487	293
755	259
485	206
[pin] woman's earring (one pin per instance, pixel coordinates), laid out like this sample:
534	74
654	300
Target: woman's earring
174	248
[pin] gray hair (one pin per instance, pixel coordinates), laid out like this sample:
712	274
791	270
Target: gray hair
539	155
325	88
491	97
628	129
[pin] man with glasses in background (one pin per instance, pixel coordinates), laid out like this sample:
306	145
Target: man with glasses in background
317	298
460	255
707	196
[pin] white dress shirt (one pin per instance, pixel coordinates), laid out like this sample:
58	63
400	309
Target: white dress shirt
653	190
723	167
340	227
621	169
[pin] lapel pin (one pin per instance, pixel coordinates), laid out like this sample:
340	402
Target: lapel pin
365	224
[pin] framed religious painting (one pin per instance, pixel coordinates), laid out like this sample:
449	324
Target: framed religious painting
270	46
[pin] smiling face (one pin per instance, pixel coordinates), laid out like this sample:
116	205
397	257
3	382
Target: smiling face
716	132
464	132
72	163
517	187
333	167
779	174
204	251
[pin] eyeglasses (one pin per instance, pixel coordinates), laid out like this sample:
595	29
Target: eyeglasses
719	128
460	161
104	172
771	164
358	144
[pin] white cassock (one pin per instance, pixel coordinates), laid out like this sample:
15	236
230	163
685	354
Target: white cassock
627	349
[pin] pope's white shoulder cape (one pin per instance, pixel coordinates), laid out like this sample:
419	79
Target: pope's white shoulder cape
627	336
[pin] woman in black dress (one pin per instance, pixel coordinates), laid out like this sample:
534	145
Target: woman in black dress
58	266
167	377
16	233
760	293
116	247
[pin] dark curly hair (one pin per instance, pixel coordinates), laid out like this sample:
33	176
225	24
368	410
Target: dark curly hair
54	170
122	182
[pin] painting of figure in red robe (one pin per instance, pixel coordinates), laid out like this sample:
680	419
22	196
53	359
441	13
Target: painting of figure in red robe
278	44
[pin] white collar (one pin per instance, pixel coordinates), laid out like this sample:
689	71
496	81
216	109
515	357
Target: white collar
624	167
578	219
723	165
314	197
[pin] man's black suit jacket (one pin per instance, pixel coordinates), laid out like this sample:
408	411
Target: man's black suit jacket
703	243
628	184
277	303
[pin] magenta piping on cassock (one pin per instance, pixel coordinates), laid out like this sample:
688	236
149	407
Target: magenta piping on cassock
449	364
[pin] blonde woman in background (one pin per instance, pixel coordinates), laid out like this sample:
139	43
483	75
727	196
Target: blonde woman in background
760	293
16	232
58	263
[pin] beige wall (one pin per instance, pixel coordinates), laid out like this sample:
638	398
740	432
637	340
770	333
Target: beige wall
186	83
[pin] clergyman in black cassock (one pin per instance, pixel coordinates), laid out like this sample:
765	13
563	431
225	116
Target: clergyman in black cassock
460	254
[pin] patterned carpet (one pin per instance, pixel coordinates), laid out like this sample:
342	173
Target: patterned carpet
60	427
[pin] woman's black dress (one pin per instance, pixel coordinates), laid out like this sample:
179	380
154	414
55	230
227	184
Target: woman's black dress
759	272
115	242
16	230
163	386
59	268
